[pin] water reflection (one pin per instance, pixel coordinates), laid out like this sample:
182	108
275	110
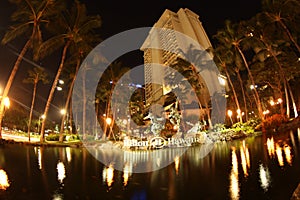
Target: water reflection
37	151
271	147
127	171
279	150
288	155
176	161
234	176
264	177
68	153
237	169
108	175
244	151
4	182
61	172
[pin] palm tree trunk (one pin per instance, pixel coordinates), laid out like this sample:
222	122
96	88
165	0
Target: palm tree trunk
10	81
234	92
32	105
68	102
289	35
285	83
257	99
243	93
51	94
293	99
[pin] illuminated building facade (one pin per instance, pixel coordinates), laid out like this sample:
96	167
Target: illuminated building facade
170	47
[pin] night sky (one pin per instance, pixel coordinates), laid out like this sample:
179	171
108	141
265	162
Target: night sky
117	16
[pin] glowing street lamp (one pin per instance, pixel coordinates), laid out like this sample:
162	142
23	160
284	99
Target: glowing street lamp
108	120
6	102
63	111
279	101
229	113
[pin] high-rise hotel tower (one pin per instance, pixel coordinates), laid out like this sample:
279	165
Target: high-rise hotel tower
170	46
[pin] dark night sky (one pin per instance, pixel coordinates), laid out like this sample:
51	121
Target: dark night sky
118	16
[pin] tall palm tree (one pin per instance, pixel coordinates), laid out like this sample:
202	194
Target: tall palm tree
279	13
29	17
78	51
75	23
232	37
105	91
34	76
269	43
223	59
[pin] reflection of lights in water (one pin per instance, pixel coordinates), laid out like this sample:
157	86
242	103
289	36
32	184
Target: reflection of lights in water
244	162
108	175
61	171
39	154
245	157
264	176
234	179
57	197
279	155
176	160
68	153
288	155
4	183
127	171
271	147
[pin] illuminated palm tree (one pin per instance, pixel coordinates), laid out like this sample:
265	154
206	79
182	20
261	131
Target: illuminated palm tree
232	38
223	58
29	17
71	27
280	13
34	76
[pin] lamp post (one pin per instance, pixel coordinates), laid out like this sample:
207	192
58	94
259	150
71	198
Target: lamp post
41	117
229	113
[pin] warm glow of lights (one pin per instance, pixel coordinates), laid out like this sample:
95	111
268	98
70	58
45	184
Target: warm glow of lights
4	182
245	157
229	113
279	155
271	147
265	112
175	127
244	162
234	179
108	120
61	171
68	153
176	160
279	100
264	177
61	82
288	155
43	116
59	88
108	175
39	158
127	171
6	102
272	103
63	111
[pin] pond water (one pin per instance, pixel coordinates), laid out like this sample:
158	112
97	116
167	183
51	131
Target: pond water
263	167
